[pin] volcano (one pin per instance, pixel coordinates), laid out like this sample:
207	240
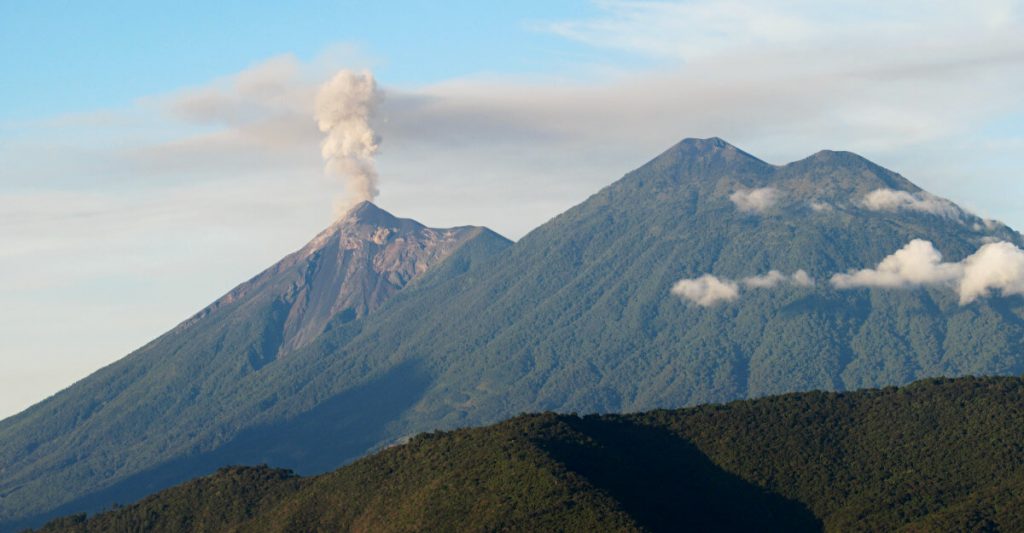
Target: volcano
381	328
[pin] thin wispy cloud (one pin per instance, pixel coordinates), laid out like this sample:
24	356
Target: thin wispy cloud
774	278
708	290
893	200
700	28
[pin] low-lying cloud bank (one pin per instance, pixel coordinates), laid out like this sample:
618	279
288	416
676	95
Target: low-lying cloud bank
995	266
893	200
755	200
708	290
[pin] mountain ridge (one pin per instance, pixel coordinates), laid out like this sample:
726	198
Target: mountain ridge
936	455
387	252
577	316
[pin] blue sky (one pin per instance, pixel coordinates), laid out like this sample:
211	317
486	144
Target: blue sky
63	57
153	156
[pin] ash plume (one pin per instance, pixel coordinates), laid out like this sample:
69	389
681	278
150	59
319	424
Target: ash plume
344	107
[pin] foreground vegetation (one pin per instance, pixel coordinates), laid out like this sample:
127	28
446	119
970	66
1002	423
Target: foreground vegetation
938	455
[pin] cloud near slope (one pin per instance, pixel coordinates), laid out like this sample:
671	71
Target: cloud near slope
755	200
774	278
708	290
996	266
893	200
917	263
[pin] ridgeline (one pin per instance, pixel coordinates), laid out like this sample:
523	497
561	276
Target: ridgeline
937	455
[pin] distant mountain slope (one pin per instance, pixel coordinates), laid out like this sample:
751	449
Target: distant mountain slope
155	404
347	271
939	455
579	315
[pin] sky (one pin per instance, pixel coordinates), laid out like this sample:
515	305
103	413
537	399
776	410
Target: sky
155	154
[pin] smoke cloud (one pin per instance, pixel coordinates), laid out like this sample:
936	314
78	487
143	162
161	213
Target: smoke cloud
344	107
706	290
995	266
755	200
893	200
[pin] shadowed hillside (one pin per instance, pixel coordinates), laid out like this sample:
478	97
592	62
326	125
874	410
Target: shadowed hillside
938	455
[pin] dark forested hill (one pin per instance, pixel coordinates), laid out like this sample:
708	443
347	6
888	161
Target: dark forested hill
705	275
939	455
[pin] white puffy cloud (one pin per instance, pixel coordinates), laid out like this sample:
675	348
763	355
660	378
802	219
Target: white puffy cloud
755	200
706	290
998	265
995	266
893	200
821	206
917	263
